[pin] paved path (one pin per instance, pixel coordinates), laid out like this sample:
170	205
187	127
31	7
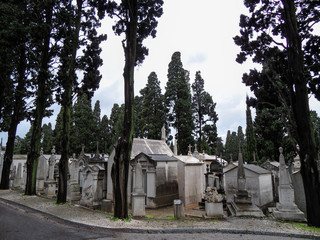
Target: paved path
21	222
75	222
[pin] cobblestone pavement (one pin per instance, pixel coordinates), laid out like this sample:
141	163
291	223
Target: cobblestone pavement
157	220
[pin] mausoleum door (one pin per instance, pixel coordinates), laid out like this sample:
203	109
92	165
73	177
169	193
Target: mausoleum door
144	182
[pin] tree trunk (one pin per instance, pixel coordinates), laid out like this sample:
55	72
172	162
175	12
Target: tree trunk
16	118
300	104
67	105
120	169
8	155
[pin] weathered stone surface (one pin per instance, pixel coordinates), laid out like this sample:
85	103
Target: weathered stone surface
214	209
138	195
106	205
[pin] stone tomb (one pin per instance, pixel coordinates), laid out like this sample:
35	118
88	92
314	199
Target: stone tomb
258	184
160	180
242	204
190	179
286	209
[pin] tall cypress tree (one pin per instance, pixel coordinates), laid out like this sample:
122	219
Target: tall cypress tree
152	113
15	37
178	103
251	145
204	115
232	146
137	20
84	125
104	135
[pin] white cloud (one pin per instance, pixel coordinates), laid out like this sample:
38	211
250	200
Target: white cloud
203	32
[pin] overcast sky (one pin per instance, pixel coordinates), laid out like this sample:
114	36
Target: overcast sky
202	31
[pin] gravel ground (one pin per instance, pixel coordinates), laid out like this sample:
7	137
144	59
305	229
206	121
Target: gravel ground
158	218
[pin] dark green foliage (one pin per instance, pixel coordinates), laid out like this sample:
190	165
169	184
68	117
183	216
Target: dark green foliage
152	113
315	121
232	146
260	38
137	21
115	123
178	102
205	116
251	145
47	138
85	125
22	145
15	74
105	136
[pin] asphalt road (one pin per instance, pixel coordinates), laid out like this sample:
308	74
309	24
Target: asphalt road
19	222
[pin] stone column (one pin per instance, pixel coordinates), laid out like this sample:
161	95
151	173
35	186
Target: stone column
138	195
242	195
40	173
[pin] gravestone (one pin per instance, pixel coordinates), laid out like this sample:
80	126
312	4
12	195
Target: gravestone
24	176
92	190
73	192
286	209
12	175
40	173
138	195
242	204
17	179
50	186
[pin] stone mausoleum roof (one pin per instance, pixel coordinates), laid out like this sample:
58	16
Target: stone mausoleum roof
150	146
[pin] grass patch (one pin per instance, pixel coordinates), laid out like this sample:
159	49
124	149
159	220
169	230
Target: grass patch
170	218
60	204
149	216
114	219
306	227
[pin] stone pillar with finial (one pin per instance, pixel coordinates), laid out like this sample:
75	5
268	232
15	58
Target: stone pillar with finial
242	204
175	148
138	195
286	209
189	151
40	173
50	186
